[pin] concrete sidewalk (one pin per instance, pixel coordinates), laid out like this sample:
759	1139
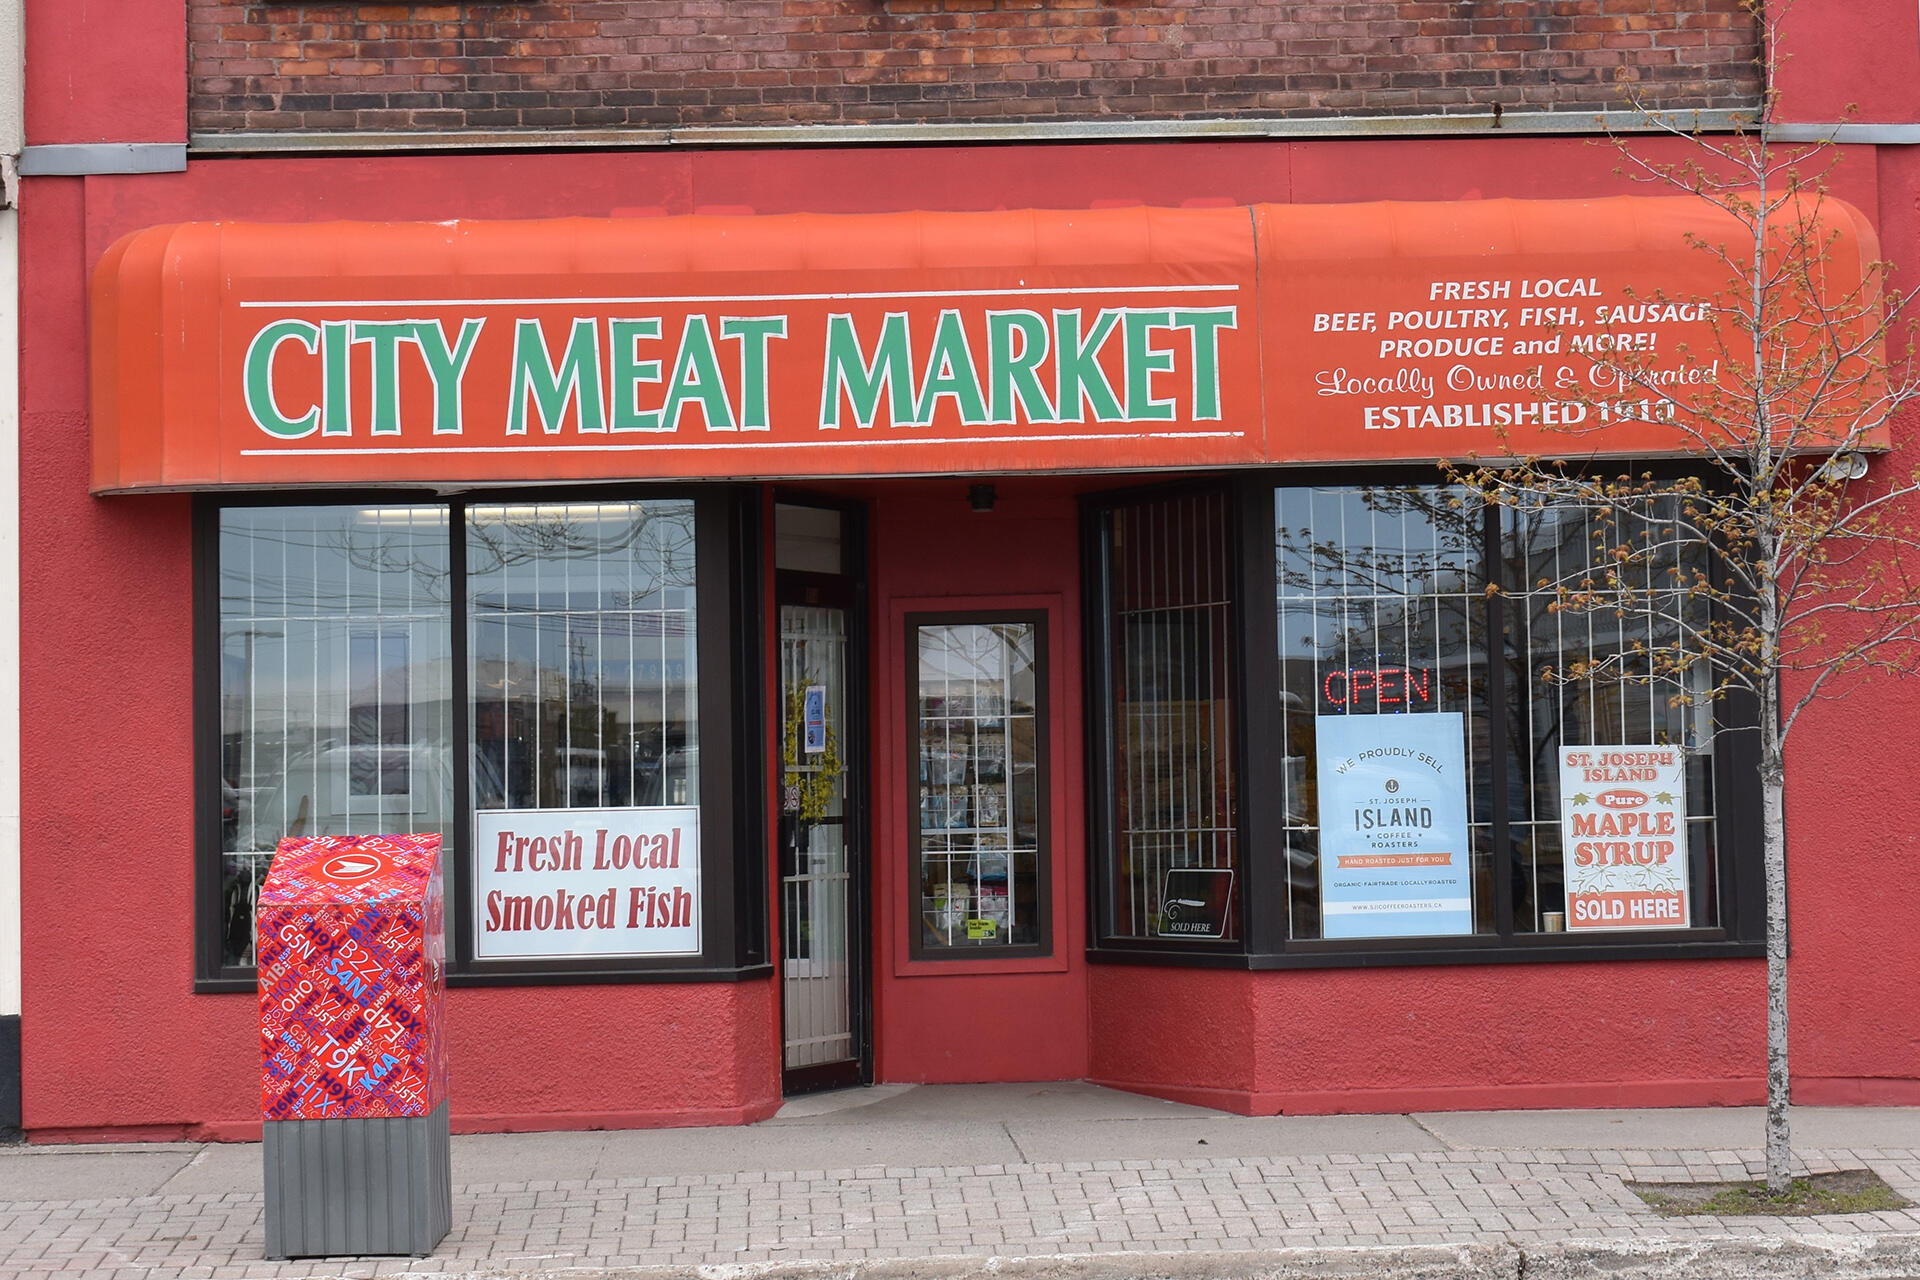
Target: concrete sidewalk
1054	1181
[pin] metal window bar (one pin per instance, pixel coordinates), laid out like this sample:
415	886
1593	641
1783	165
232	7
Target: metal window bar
1372	569
1560	542
297	585
1170	621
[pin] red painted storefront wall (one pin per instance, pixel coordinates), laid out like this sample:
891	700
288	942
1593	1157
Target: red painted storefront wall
944	1021
115	1041
1470	1037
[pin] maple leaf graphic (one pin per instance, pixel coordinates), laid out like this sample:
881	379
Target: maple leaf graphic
1581	797
1665	797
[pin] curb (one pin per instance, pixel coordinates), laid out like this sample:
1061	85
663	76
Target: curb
1727	1258
1413	1262
1708	1258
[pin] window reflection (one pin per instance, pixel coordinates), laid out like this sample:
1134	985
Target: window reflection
978	793
335	688
1381	600
1383	606
1624	699
581	619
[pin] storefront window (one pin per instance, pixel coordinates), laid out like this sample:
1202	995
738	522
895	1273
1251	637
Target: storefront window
1170	623
581	619
1437	760
583	652
522	678
1417	777
335	686
979	743
1381	603
1620	699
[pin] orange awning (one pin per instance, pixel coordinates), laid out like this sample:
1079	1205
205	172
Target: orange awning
470	353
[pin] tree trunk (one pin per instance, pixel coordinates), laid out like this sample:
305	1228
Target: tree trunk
1774	846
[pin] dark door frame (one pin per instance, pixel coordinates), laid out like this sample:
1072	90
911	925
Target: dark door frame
846	591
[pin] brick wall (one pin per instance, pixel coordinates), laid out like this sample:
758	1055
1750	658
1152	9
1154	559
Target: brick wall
585	64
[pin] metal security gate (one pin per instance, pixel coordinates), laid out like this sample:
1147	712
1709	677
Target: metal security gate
823	992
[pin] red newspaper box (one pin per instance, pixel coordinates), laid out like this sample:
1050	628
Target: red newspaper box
351	953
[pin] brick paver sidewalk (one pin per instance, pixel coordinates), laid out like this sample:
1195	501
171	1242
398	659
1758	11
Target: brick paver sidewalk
1520	1199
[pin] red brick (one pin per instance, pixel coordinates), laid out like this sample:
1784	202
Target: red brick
581	63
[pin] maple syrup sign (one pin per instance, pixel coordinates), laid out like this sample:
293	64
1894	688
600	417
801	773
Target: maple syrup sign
1624	812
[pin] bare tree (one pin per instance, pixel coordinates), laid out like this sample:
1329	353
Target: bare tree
1783	559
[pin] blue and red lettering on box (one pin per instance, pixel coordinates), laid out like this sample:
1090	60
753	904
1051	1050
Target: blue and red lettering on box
352	960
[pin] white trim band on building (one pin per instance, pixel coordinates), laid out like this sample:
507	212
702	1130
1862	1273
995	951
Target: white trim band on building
80	159
73	159
1507	123
1877	135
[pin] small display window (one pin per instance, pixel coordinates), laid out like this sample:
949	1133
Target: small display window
978	742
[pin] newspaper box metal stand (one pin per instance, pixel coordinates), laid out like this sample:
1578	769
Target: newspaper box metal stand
353	1085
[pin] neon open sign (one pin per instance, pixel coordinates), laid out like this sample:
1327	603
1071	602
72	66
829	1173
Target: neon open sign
1382	686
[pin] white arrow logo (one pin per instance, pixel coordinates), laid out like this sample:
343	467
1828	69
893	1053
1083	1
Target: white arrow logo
350	867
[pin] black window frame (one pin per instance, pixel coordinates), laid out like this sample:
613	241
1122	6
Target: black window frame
730	605
1102	735
1262	885
1044	947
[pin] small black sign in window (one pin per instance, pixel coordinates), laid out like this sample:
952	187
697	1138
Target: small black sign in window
1195	902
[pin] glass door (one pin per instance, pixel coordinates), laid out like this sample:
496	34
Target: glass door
823	993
